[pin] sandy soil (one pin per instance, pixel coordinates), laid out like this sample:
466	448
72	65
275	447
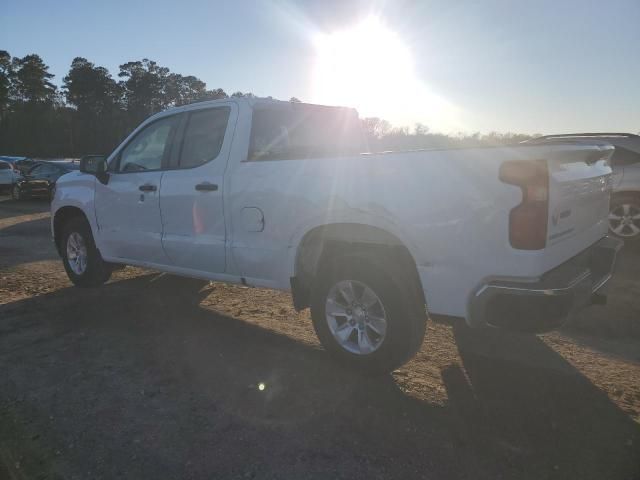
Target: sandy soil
148	378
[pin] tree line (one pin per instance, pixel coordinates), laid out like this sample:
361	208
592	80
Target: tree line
92	111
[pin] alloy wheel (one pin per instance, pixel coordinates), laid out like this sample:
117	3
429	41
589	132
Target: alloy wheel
77	253
356	317
624	220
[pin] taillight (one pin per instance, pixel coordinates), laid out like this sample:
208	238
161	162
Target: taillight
528	221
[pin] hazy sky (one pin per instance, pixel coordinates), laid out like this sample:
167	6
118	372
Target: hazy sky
536	66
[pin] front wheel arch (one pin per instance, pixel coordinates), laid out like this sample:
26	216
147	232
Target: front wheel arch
62	216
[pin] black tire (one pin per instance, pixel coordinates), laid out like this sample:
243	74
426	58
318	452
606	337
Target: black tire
632	202
97	271
405	311
16	193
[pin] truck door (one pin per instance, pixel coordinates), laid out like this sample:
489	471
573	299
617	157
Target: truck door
128	205
191	192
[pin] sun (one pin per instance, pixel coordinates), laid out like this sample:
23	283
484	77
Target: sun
369	67
362	67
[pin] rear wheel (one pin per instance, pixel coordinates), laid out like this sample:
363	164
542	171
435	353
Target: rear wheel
366	316
624	217
82	260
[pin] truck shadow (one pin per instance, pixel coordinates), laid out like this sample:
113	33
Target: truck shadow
532	409
26	242
13	208
137	372
37	227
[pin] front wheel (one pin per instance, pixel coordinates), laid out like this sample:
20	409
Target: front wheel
82	260
366	316
16	193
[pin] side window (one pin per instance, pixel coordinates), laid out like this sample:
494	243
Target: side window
4	166
203	136
270	135
149	147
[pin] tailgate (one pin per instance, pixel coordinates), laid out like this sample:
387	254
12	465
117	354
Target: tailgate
579	188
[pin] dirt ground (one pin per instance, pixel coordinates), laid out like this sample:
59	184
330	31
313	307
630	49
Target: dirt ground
134	380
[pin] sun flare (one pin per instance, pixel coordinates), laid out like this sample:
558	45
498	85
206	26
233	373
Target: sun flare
369	67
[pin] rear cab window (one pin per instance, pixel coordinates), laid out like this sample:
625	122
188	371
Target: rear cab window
299	131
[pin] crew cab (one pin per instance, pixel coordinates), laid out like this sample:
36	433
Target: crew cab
281	195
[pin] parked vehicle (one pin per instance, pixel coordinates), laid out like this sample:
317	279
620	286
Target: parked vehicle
40	180
7	176
275	194
624	214
16	162
24	164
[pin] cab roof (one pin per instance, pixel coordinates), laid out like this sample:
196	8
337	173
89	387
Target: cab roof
252	102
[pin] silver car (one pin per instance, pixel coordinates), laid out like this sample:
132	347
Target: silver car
8	176
624	215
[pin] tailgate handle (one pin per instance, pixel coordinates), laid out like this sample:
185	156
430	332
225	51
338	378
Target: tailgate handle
206	187
147	188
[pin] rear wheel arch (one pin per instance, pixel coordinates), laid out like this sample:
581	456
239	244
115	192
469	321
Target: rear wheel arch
322	244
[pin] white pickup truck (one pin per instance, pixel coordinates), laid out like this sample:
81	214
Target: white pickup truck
278	195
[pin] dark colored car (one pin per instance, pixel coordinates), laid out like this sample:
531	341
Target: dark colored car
24	165
40	180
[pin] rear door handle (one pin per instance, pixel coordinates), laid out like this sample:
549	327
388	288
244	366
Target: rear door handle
206	187
147	188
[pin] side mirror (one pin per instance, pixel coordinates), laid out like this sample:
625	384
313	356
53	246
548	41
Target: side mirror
95	165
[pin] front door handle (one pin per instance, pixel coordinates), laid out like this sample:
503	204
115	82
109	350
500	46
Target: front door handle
147	188
206	187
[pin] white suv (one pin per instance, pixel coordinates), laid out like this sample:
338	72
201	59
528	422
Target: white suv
7	176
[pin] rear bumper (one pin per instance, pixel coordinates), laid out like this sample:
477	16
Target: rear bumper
543	304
